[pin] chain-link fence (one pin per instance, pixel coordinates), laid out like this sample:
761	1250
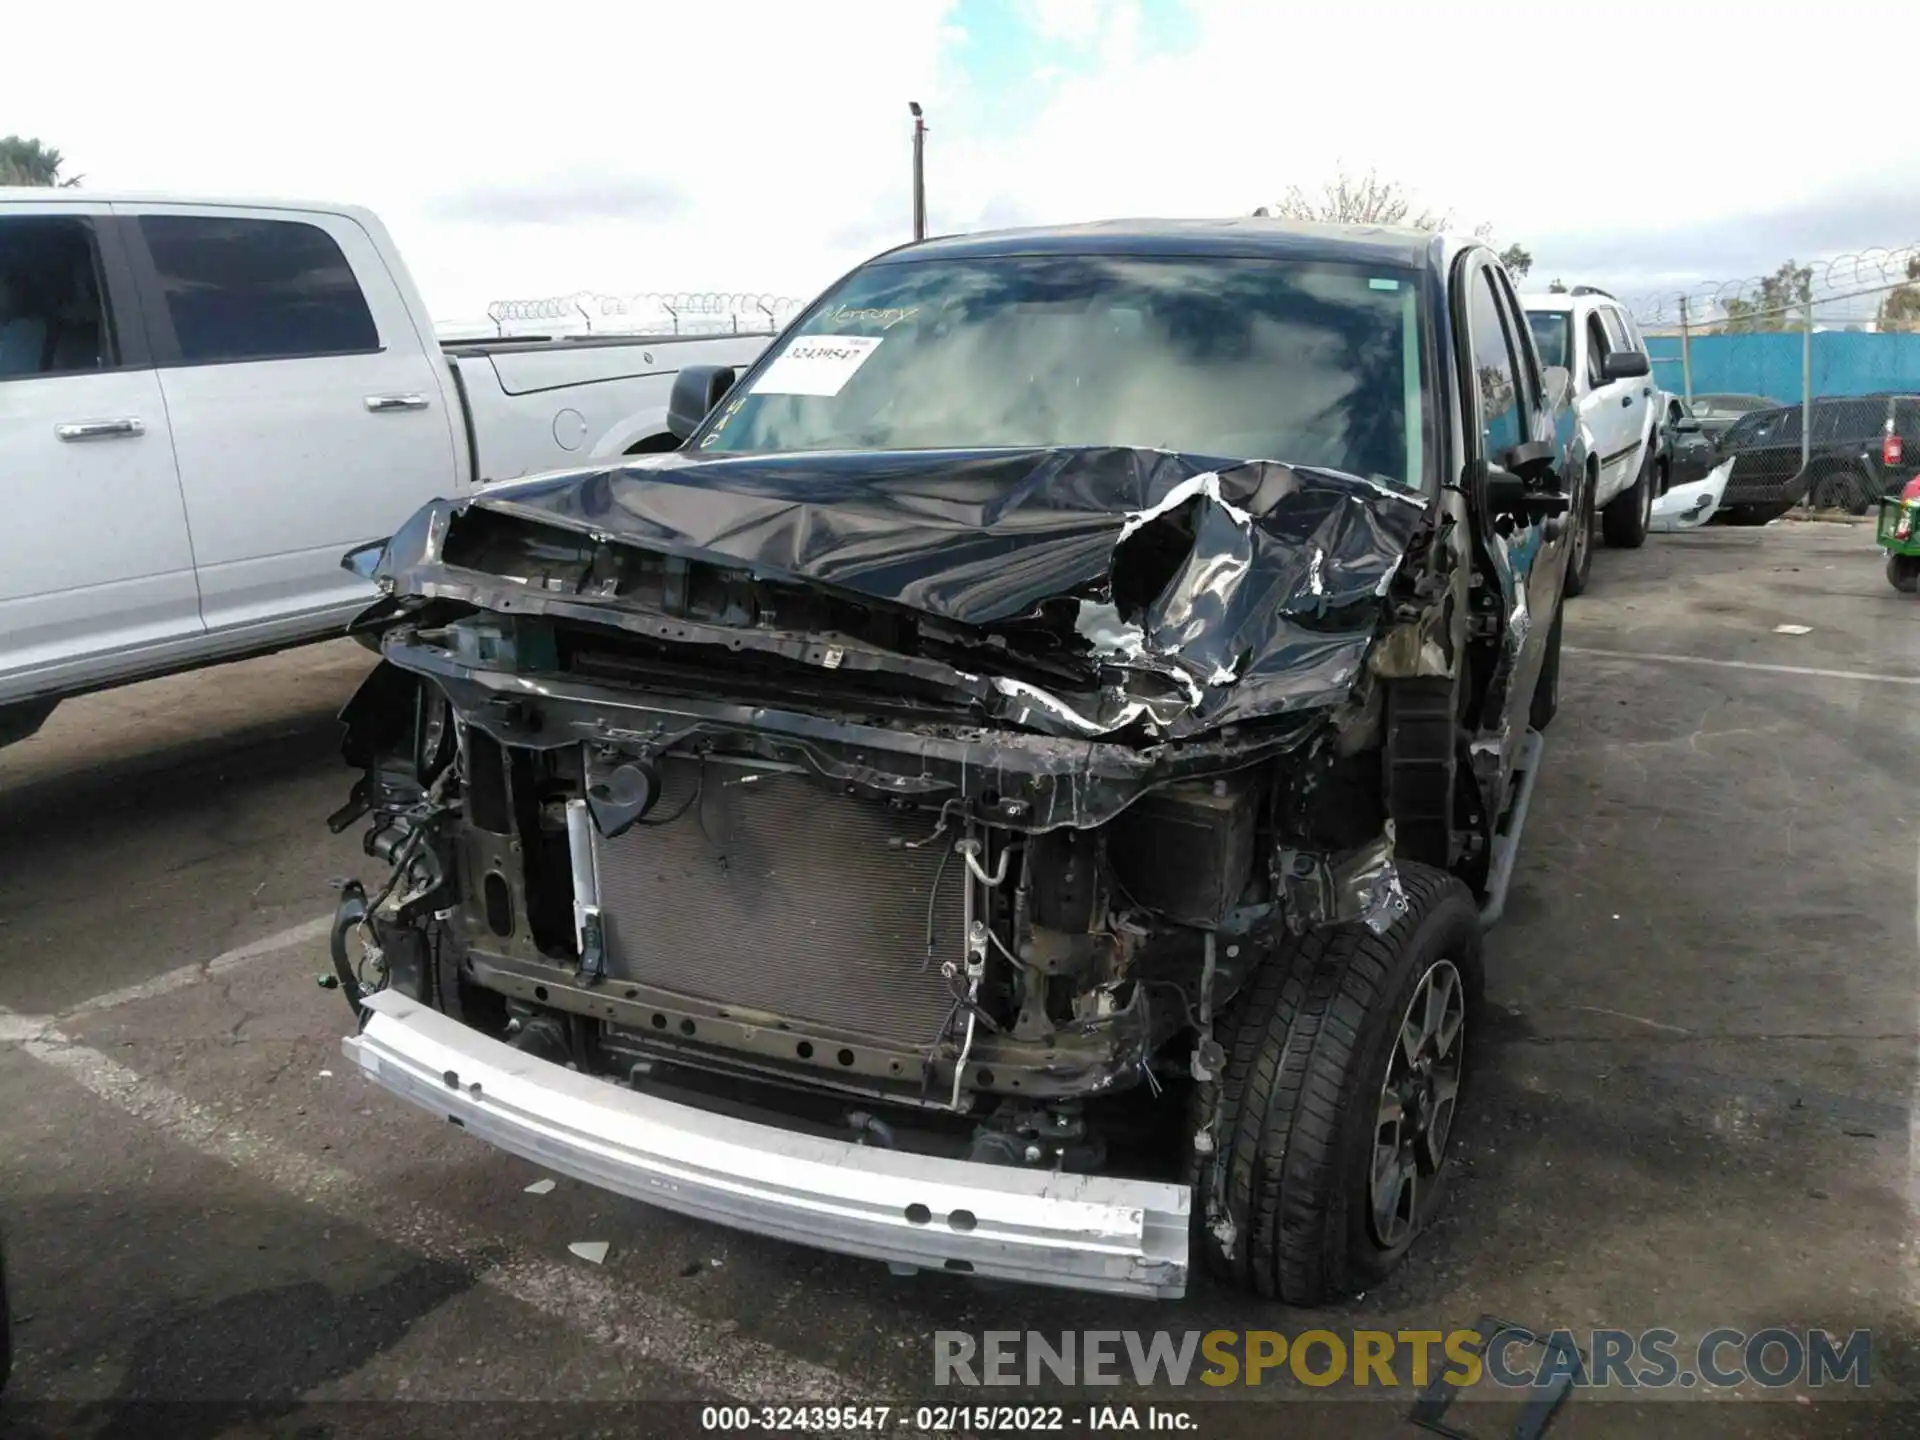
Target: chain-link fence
1826	349
590	312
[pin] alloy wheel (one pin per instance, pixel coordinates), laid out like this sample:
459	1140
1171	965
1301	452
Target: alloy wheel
1417	1099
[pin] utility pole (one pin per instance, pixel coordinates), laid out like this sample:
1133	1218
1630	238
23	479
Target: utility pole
1806	387
1686	354
919	171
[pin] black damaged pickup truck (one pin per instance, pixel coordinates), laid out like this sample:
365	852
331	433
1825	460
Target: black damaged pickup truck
1019	791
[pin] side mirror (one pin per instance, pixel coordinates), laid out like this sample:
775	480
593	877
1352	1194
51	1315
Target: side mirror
1530	462
1625	365
364	560
1513	482
696	390
1686	425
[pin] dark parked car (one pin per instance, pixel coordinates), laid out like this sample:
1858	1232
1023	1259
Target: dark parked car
1687	448
1716	412
1019	791
1864	447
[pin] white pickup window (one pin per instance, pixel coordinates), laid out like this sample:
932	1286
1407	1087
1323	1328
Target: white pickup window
239	288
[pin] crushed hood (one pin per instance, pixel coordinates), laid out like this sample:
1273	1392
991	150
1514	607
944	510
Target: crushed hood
1181	597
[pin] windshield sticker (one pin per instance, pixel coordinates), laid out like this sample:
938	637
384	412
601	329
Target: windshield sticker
1383	284
886	319
816	365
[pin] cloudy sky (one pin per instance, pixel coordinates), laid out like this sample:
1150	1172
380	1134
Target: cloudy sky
763	145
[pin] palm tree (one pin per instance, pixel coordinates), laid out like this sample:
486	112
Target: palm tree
28	162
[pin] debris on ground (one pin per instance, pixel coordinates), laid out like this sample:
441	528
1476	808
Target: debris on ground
594	1252
1793	629
540	1187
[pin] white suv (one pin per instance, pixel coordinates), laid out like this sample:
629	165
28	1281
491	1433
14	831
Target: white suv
1593	337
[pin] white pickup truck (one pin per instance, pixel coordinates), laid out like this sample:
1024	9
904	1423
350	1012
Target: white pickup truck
204	403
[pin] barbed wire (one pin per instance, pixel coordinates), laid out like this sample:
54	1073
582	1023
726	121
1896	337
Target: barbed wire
679	311
1853	275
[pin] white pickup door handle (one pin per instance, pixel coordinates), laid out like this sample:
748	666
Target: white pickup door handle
382	403
99	429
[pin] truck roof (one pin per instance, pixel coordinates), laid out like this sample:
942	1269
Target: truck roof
64	195
1555	303
1240	236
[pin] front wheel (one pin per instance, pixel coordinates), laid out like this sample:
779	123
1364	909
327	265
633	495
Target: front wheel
1345	1060
1627	516
1546	690
1903	573
1580	555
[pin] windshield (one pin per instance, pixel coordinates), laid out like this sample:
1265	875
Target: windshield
1312	364
1550	336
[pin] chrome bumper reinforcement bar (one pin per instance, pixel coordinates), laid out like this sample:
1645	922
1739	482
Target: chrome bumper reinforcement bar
1082	1232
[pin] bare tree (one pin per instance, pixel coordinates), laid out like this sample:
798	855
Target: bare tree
1357	200
1367	199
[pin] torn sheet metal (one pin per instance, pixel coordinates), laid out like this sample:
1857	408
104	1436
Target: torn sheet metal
1021	781
1102	589
1362	885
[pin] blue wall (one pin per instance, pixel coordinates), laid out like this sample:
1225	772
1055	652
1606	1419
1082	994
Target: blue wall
1844	363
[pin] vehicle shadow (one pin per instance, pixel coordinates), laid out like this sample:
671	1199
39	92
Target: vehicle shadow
164	823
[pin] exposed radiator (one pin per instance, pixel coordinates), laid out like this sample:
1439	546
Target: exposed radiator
773	894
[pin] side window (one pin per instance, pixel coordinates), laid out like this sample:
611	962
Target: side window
1550	331
1760	428
1847	422
241	289
1526	366
1598	345
1616	327
1629	331
1493	368
52	318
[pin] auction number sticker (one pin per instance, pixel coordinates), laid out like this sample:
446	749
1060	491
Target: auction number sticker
817	365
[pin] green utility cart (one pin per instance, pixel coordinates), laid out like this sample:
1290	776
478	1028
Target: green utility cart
1900	536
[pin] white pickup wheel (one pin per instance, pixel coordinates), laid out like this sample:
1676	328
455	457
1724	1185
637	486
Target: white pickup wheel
1625	520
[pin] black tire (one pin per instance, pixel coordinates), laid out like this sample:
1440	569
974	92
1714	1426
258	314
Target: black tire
1842	488
1309	1047
1624	522
1580	559
1903	573
1546	690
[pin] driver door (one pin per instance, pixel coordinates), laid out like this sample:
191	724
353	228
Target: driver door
1528	549
1609	410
